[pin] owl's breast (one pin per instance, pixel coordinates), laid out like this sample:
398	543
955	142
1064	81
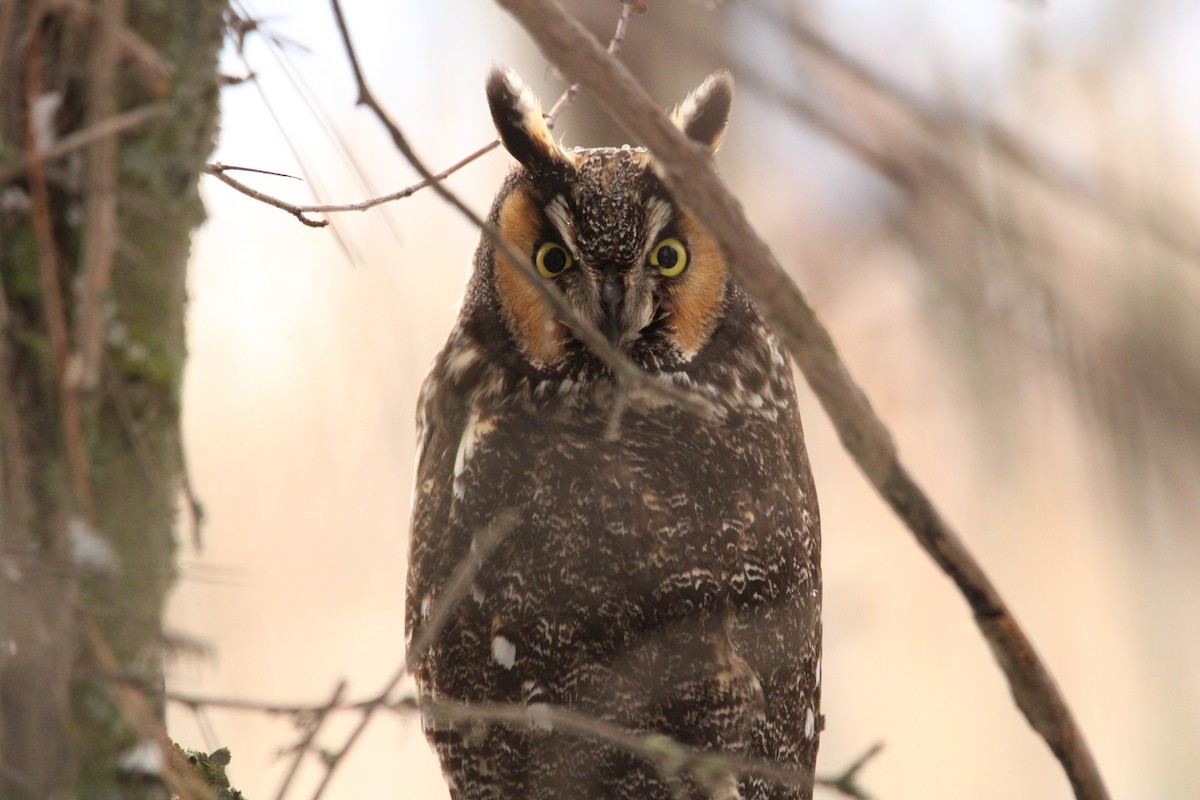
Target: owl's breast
671	519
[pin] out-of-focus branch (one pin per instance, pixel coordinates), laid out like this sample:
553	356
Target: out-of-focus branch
50	287
100	228
111	126
847	781
485	542
673	759
154	70
1164	228
312	722
142	717
687	169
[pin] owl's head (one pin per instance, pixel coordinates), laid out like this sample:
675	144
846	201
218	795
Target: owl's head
601	226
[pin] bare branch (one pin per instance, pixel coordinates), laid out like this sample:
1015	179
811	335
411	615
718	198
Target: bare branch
452	593
847	782
219	170
1112	205
298	211
671	758
318	717
50	288
687	169
111	126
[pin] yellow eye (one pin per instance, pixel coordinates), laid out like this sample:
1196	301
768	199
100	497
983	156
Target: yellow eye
670	256
552	260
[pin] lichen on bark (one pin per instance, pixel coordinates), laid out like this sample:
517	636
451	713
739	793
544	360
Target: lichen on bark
62	731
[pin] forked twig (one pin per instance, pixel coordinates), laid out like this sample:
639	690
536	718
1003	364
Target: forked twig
688	172
220	172
300	211
452	593
318	717
847	781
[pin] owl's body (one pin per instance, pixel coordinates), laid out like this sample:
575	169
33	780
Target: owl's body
665	578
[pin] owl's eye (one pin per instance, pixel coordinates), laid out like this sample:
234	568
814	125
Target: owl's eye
552	260
670	256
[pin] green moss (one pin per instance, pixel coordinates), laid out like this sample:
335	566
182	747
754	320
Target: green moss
210	769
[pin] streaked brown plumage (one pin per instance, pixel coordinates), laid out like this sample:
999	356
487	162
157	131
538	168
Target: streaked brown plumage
668	579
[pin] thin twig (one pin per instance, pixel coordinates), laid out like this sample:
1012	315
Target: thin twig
614	47
50	287
111	126
452	593
317	719
195	701
671	758
196	513
405	192
847	781
687	169
219	170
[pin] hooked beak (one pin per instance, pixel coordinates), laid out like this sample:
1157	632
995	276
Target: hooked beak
612	298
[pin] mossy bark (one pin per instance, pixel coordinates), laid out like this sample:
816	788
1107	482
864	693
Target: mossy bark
85	575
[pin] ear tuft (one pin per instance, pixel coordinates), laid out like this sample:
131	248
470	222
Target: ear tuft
519	121
705	112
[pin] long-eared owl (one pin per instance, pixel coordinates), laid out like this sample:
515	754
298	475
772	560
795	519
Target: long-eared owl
663	572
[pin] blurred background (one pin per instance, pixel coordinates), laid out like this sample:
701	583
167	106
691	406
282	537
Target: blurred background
994	206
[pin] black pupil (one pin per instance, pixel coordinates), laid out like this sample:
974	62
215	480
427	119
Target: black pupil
667	256
555	260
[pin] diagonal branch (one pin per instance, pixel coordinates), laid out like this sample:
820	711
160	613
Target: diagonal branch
485	542
687	169
218	170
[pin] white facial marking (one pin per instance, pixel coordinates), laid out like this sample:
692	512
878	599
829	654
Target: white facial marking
560	217
658	214
810	723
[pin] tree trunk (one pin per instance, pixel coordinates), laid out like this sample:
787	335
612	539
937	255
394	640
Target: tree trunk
93	251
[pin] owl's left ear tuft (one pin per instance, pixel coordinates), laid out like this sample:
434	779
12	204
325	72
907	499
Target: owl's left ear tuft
705	112
519	121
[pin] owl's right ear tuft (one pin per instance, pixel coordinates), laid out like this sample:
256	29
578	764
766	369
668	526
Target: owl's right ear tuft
705	113
519	121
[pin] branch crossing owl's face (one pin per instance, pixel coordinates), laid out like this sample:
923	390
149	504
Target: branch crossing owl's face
601	226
